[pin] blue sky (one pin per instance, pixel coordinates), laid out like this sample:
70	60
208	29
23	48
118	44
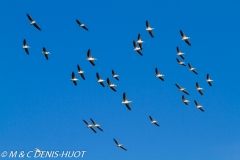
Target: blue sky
40	106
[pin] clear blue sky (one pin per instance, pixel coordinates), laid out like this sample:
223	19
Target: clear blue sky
40	106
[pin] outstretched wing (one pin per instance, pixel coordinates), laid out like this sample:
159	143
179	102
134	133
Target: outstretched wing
29	17
35	25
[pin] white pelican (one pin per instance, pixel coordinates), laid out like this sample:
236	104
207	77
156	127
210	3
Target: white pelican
25	46
38	150
81	72
125	101
182	89
209	80
81	25
45	53
32	22
89	126
119	145
199	88
198	106
114	75
111	85
90	58
185	100
140	41
180	62
100	80
74	79
153	121
96	125
158	75
149	29
136	48
185	38
192	69
179	53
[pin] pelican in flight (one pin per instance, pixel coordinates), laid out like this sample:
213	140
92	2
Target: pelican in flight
119	145
45	52
153	121
74	79
179	53
111	85
140	41
81	25
182	89
199	88
90	58
185	100
198	106
136	48
38	151
89	126
192	69
81	72
125	101
32	22
180	62
114	75
209	80
185	38
149	29
25	46
100	80
158	75
96	125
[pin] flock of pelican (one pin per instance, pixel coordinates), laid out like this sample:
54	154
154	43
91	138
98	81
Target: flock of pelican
138	46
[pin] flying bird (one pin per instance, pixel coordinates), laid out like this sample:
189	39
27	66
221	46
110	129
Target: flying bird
179	53
111	85
89	126
153	121
158	75
81	25
45	52
74	79
119	145
209	80
185	38
96	125
180	62
32	22
25	46
198	106
90	58
125	101
185	100
81	72
38	150
149	29
100	80
114	75
136	48
199	88
192	69
182	89
140	41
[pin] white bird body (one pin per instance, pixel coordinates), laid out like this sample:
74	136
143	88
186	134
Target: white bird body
100	80
159	75
149	28
112	85
26	46
126	102
80	72
91	59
